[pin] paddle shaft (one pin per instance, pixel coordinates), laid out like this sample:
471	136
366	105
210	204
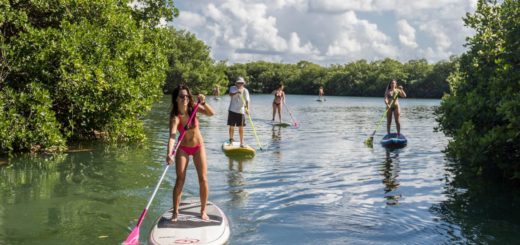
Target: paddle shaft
251	121
290	114
181	137
383	116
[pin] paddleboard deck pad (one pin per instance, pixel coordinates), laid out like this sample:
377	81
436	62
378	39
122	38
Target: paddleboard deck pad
394	141
235	149
190	228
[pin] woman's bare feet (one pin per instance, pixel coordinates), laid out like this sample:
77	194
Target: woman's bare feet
204	216
175	216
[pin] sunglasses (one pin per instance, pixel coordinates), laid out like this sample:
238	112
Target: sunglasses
183	96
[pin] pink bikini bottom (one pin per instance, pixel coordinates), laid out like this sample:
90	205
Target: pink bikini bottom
190	150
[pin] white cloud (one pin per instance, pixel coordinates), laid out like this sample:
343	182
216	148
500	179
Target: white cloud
358	38
438	32
215	15
327	31
335	6
406	34
190	19
295	46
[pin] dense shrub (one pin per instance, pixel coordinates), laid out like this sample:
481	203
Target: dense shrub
483	111
27	122
99	65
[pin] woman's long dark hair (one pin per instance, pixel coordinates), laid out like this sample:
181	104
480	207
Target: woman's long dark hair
390	83
175	107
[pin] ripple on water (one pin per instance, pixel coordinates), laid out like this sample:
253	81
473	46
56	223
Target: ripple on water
318	184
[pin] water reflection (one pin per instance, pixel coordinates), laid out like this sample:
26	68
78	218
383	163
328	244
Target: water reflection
276	141
3	161
390	172
276	135
480	212
236	181
68	193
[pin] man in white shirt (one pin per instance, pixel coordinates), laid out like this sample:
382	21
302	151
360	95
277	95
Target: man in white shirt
238	107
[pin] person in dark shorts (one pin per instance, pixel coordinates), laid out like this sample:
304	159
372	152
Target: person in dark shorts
238	107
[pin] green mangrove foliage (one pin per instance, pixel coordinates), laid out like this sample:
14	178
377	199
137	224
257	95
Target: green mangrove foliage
359	78
190	62
482	114
75	69
27	121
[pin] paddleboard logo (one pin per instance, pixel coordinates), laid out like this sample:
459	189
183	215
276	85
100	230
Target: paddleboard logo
186	241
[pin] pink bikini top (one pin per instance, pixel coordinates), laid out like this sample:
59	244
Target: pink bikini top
180	127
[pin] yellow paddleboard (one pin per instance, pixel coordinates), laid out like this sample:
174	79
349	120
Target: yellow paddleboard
235	149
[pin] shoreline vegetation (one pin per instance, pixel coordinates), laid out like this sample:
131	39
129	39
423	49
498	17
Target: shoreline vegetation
91	70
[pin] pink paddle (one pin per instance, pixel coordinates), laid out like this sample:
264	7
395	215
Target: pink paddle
295	123
133	238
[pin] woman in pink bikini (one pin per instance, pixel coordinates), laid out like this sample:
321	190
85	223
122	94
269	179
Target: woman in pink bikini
191	145
279	98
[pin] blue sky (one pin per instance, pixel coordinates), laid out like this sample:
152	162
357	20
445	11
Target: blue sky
327	31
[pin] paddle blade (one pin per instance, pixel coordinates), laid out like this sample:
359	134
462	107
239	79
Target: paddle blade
133	238
369	141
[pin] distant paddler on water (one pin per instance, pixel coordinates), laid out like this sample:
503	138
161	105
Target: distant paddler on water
279	100
216	92
391	95
321	94
238	108
393	108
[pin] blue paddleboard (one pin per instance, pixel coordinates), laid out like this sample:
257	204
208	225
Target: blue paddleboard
393	141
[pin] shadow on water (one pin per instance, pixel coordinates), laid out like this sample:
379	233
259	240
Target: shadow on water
480	211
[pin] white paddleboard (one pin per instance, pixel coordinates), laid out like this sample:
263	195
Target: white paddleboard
190	228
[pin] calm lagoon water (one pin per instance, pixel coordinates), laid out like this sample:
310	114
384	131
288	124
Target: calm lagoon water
318	184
